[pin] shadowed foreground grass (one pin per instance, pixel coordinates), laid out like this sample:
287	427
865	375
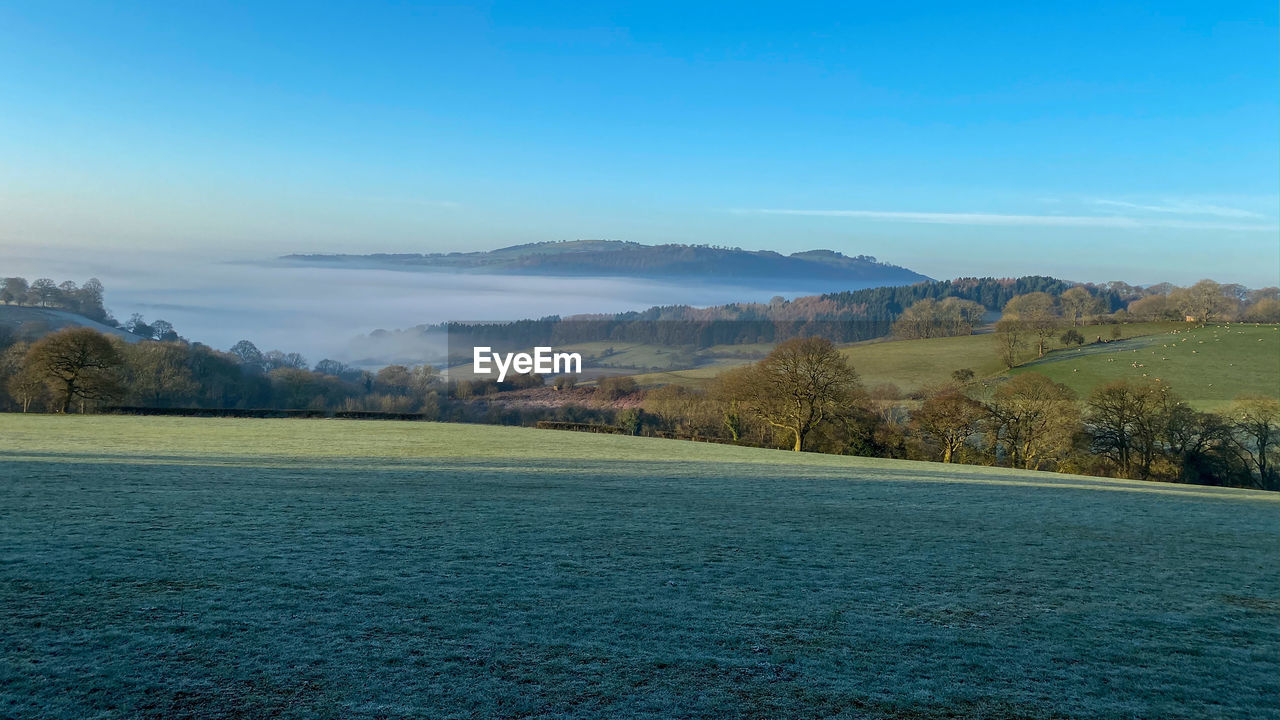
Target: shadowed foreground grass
177	567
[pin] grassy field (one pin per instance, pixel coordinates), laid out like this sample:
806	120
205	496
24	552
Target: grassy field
30	321
916	364
192	568
1208	366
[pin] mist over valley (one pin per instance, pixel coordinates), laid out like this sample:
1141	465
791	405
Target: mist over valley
333	311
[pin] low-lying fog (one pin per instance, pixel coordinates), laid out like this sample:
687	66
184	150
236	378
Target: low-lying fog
319	311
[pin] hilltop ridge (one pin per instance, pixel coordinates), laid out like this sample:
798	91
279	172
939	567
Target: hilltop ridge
631	259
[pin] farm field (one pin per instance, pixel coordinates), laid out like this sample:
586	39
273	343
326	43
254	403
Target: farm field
1207	366
24	320
916	364
202	568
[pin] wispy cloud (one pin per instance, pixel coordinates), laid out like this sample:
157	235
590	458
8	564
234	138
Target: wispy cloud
998	219
1183	208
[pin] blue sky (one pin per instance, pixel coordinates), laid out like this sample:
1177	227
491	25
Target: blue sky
1089	141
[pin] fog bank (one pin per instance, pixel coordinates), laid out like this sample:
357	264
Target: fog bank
317	311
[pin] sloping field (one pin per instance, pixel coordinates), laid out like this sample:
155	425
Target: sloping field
177	567
1209	366
37	321
916	364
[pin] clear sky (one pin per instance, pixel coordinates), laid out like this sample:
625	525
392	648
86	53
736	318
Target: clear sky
1092	141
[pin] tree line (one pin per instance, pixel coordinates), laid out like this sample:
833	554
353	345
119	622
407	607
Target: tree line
1035	319
82	370
803	396
806	396
85	300
928	309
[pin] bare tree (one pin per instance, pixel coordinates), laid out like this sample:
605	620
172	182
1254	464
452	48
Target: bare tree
1032	420
44	291
1038	314
76	363
24	385
1010	340
929	318
249	355
802	383
1205	302
14	290
157	374
1257	424
1078	304
163	330
1124	424
948	419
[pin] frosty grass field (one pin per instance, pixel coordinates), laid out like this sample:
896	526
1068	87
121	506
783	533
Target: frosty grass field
170	567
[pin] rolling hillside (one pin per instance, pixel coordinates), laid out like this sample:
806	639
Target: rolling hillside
613	258
186	568
1207	366
24	321
916	364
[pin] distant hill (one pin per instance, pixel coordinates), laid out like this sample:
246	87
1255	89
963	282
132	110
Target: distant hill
628	259
30	323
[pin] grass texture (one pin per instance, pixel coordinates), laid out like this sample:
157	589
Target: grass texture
205	568
919	364
1209	366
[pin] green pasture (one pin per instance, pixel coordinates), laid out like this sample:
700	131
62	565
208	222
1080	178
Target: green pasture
916	364
210	568
1208	366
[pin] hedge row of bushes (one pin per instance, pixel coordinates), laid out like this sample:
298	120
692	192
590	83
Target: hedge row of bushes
581	427
263	413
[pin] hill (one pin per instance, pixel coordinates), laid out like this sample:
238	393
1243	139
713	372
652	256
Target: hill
613	258
916	364
32	322
1208	366
327	568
